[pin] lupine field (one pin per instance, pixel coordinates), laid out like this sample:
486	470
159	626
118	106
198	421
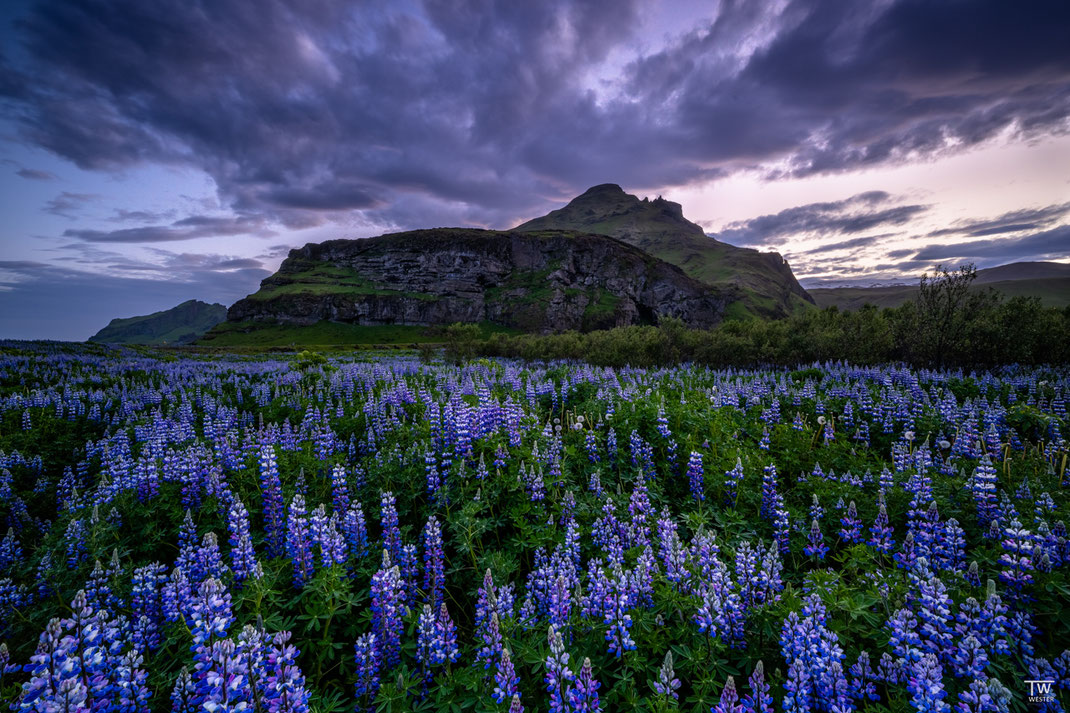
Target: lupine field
292	533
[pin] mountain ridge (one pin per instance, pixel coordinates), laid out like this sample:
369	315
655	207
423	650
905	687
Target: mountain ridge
545	281
767	285
181	324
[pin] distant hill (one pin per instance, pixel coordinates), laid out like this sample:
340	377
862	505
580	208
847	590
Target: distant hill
182	324
545	281
1050	281
768	287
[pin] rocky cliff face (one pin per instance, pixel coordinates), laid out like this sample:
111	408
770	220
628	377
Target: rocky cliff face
544	281
765	283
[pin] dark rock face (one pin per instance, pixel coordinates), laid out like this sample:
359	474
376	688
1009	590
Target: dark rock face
545	281
766	285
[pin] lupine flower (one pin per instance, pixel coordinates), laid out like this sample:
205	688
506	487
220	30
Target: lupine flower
851	530
299	541
815	544
368	666
391	533
759	700
505	679
242	556
926	687
271	489
732	479
434	562
695	476
583	698
667	682
559	677
386	603
729	702
1018	548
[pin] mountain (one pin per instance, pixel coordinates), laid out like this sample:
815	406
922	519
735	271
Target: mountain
545	281
178	325
767	287
1050	281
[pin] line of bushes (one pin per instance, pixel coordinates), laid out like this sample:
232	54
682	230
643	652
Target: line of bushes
948	325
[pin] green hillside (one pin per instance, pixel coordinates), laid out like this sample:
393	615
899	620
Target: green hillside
769	288
179	325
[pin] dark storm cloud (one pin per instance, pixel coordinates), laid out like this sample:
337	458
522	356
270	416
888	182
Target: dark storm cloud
68	205
33	174
197	226
1012	222
856	214
445	109
1047	244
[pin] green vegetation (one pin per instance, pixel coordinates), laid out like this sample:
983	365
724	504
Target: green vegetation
949	324
259	334
325	279
179	325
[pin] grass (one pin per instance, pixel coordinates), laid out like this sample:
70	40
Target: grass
324	333
326	279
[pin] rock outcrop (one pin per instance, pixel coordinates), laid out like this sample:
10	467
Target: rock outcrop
541	281
766	285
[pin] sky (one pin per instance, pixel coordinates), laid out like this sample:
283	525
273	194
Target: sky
153	152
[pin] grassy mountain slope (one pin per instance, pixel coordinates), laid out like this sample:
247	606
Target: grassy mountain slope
768	287
181	324
1050	281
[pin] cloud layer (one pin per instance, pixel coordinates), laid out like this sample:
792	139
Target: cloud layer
485	110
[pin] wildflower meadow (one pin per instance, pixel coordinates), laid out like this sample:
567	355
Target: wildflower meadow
289	533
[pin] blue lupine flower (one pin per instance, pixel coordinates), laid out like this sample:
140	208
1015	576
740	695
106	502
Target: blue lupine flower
559	677
583	698
667	682
505	679
386	604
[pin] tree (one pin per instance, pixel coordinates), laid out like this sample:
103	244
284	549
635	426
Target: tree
944	309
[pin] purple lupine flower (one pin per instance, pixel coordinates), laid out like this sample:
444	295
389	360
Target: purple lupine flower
489	632
863	679
583	698
299	541
695	476
732	480
851	530
505	679
975	698
639	507
286	692
434	479
951	553
387	597
1017	556
391	532
560	605
184	694
355	531
667	682
781	526
759	700
925	685
434	562
815	544
242	556
368	666
907	554
515	705
340	498
729	702
559	677
617	599
146	603
10	551
983	487
273	506
797	689
769	491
